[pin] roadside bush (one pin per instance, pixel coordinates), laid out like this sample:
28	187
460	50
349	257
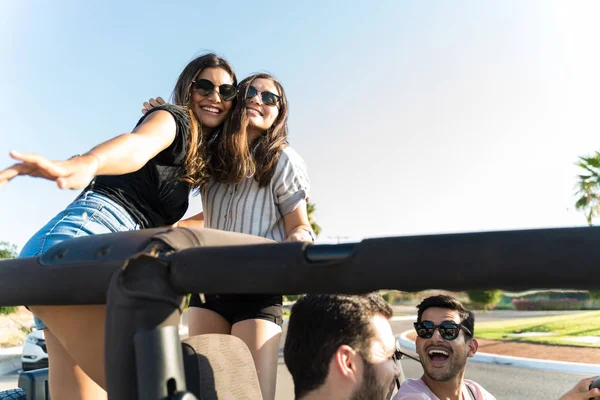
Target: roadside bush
387	296
5	310
485	298
397	297
291	297
505	303
7	251
547	305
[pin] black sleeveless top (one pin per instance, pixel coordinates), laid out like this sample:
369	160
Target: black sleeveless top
154	195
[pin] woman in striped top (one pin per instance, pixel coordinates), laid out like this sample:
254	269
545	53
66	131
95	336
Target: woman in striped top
258	185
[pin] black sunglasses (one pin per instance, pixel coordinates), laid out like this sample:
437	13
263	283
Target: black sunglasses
449	330
204	87
268	98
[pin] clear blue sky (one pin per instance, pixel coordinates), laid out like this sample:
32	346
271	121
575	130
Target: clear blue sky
413	117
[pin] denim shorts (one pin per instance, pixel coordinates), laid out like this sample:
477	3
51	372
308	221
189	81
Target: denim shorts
90	214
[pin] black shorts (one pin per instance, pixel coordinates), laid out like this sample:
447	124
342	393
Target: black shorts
240	307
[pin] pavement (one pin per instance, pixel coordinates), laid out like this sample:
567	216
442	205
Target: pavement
10	359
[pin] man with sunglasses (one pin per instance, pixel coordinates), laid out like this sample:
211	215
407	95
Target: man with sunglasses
342	347
444	343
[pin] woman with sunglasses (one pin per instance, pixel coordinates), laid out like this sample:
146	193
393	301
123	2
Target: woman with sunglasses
257	185
137	180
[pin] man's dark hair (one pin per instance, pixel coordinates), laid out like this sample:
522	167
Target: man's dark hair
321	323
467	318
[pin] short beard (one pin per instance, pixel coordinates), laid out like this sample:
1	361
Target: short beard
455	368
370	389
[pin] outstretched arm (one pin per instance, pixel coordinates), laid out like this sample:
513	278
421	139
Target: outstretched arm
121	155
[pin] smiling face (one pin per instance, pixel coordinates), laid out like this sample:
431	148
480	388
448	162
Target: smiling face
261	116
211	110
444	359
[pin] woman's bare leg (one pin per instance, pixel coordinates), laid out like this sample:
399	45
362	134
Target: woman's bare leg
78	332
66	379
262	338
202	321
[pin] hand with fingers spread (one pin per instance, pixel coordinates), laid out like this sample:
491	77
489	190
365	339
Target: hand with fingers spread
75	173
151	103
582	391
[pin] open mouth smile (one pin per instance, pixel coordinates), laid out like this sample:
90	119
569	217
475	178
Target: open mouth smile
438	357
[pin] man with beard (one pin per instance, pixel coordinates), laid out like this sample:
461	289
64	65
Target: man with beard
341	347
444	343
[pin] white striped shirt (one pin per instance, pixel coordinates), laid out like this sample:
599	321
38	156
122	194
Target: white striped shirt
248	208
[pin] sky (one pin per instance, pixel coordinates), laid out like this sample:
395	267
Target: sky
413	117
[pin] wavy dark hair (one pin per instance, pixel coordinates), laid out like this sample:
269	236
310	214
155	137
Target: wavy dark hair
467	318
231	158
195	158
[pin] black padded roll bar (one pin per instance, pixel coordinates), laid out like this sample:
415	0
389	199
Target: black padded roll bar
78	271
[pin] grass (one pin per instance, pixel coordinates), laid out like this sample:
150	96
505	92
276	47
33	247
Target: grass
564	326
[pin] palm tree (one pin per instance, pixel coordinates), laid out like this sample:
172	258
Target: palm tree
588	187
310	209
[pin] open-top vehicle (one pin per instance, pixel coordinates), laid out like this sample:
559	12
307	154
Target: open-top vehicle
143	277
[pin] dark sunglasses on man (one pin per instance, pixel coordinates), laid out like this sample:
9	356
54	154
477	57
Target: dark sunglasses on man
268	98
449	330
204	88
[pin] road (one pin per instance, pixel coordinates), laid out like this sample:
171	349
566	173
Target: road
504	382
9	381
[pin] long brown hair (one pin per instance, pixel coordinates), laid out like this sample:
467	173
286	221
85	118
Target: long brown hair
195	158
231	158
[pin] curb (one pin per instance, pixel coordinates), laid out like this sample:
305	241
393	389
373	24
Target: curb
530	363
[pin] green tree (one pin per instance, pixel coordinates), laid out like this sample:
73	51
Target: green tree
310	209
595	296
7	250
588	190
588	187
486	298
